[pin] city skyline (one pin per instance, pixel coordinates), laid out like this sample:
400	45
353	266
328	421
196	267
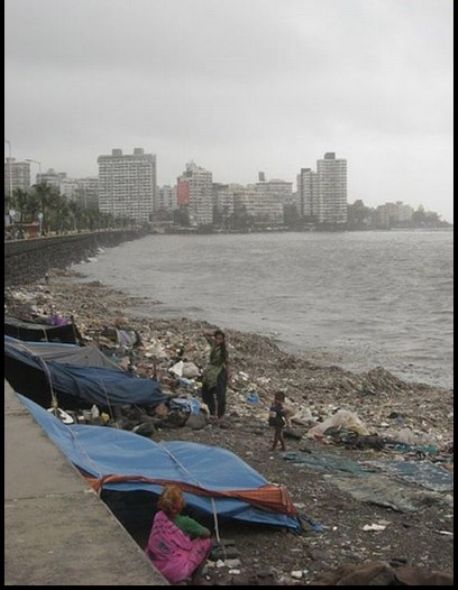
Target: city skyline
308	202
240	87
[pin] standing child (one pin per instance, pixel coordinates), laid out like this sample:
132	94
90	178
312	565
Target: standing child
278	418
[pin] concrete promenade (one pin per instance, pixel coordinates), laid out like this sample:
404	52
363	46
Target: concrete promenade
57	531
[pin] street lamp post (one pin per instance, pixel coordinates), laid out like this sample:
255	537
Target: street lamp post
9	168
41	214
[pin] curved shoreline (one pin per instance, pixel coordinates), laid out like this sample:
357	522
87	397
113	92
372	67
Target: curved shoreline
268	366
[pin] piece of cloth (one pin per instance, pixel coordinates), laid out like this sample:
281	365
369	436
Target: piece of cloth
218	406
422	473
190	526
174	554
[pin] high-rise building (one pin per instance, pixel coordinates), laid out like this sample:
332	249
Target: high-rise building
195	192
17	175
127	184
332	189
308	197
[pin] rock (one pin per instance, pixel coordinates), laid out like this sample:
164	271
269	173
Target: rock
196	421
144	429
297	574
233	562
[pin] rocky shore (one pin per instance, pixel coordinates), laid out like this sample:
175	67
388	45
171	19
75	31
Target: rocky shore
400	422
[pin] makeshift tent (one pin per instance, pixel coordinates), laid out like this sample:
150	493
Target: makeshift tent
212	478
70	354
41	332
76	386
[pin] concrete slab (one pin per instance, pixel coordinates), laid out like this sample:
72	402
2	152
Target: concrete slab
57	530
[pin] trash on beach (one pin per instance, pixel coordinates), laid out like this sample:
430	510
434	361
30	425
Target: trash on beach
374	527
253	398
343	419
381	490
423	473
326	462
62	415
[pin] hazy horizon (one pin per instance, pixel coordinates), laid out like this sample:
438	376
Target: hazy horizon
239	87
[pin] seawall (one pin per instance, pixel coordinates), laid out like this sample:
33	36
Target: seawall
29	260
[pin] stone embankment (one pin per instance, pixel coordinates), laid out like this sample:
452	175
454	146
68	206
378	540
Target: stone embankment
29	260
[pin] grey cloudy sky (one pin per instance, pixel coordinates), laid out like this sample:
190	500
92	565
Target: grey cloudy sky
239	86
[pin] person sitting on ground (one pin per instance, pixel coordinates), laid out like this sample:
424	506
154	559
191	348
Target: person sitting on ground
177	544
279	418
216	375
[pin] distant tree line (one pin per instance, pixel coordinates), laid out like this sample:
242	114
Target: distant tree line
58	213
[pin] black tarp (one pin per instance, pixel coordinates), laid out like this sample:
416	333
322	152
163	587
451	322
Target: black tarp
32	332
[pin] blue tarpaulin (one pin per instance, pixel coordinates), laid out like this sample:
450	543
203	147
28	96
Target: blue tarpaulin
100	451
94	385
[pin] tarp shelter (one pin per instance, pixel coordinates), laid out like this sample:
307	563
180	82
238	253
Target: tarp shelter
76	386
40	332
211	478
70	354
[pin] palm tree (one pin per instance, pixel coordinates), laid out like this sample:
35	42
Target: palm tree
44	193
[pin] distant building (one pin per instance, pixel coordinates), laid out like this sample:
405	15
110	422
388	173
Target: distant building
127	184
68	188
166	198
87	193
195	192
282	190
225	199
20	175
52	178
308	197
332	189
391	214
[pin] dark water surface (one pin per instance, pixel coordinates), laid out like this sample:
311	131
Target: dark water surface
357	299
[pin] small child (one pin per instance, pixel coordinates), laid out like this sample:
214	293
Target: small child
278	418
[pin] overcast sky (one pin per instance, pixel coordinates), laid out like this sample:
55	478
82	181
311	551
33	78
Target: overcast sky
239	86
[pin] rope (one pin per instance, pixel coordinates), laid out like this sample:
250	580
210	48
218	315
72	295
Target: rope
214	511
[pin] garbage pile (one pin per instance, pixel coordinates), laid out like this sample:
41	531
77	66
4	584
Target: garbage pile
384	412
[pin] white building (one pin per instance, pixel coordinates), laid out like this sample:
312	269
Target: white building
127	184
332	189
263	205
282	190
17	175
195	192
166	198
